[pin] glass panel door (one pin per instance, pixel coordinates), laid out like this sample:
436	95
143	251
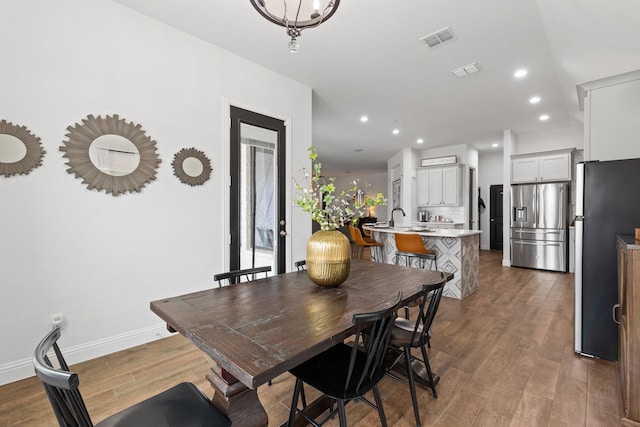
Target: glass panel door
258	223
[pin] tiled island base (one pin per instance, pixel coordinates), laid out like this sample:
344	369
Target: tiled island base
456	254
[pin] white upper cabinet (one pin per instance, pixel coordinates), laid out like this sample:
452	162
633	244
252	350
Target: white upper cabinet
422	187
541	168
438	186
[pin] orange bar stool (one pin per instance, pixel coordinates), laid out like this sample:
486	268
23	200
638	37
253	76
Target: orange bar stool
362	243
410	246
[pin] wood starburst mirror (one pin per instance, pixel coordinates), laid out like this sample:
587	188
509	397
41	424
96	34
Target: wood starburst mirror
20	150
111	154
191	166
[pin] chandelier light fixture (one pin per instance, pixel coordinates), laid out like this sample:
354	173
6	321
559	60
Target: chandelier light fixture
296	15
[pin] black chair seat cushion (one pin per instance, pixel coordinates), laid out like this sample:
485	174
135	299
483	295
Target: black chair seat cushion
402	332
336	362
180	406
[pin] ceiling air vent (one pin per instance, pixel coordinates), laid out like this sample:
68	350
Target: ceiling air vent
439	37
466	70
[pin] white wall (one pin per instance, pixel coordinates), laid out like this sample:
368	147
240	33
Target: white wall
490	166
553	139
101	259
394	172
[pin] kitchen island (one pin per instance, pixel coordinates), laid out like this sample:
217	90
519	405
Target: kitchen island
457	252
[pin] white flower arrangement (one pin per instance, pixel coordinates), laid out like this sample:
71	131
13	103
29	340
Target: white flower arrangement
328	209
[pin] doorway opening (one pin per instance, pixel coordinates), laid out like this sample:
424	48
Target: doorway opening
495	217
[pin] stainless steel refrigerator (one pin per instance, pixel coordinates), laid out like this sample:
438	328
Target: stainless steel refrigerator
539	226
607	205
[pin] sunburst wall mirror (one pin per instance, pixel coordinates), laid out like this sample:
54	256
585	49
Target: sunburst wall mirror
191	166
20	150
111	154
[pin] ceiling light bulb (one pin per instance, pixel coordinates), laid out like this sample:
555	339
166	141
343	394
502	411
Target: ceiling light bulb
396	131
420	141
494	145
544	117
520	73
293	45
364	119
534	99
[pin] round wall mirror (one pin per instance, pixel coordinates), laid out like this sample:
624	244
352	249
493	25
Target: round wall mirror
191	166
20	150
111	154
114	155
12	150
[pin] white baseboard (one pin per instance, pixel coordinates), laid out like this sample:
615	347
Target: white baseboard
20	369
506	263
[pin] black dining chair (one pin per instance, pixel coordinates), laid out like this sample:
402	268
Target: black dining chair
346	372
407	334
300	265
236	276
180	406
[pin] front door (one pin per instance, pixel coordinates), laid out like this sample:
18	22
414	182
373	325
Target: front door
257	189
495	217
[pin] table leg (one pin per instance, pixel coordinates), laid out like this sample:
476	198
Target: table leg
235	400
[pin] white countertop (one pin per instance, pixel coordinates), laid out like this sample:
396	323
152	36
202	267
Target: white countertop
436	223
443	232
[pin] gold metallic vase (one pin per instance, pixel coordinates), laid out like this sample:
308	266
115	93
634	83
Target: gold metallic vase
328	258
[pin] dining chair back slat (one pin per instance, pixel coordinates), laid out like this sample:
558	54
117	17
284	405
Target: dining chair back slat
237	276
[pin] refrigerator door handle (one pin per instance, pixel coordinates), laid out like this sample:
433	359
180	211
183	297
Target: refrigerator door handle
579	231
536	243
578	285
580	190
616	309
535	206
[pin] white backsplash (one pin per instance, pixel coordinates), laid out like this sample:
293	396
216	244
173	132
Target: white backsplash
453	213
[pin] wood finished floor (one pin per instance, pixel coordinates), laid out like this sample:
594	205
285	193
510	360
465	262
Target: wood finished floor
505	356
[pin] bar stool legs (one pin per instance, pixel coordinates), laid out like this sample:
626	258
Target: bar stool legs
422	259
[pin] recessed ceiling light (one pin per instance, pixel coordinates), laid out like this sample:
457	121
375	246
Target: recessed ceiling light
494	145
395	131
364	119
520	73
420	141
534	99
544	117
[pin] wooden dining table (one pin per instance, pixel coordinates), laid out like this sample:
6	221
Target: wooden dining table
255	331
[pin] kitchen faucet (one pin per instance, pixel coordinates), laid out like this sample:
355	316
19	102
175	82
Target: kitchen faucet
391	223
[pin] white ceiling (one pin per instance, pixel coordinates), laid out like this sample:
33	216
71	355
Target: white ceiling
368	59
